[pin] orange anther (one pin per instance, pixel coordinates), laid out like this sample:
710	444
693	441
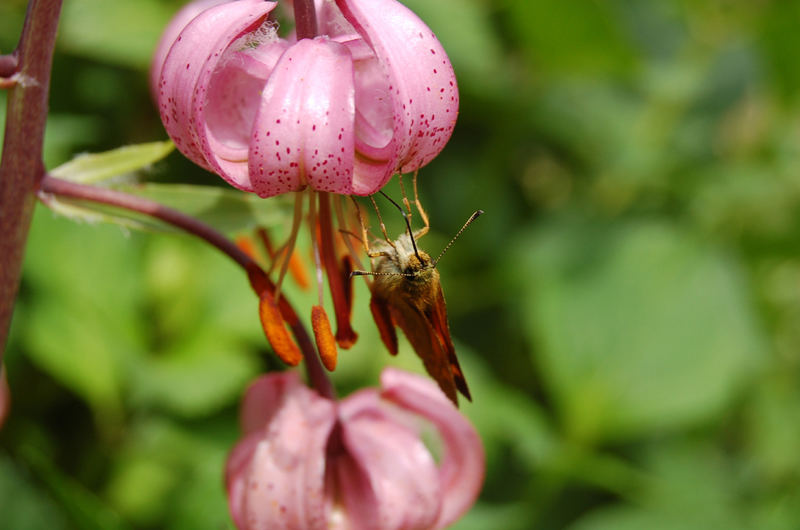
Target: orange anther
326	344
275	330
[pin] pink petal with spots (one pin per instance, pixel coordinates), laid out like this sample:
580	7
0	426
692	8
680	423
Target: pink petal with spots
387	477
303	132
463	460
234	96
187	74
171	32
275	476
420	77
264	397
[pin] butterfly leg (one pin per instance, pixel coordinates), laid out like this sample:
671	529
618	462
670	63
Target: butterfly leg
424	230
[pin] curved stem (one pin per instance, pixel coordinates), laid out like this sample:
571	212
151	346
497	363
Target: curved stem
65	188
21	167
258	278
305	19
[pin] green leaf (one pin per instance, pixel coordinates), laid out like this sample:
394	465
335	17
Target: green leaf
170	476
583	37
637	326
81	323
85	510
204	372
692	486
121	32
22	504
96	167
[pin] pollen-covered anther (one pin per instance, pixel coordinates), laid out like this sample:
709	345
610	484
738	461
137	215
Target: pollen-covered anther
276	332
326	343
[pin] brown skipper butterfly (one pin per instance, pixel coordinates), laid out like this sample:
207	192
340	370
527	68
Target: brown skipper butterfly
407	293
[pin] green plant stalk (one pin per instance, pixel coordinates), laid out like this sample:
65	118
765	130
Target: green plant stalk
22	166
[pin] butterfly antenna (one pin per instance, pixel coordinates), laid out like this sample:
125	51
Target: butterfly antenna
469	222
408	224
372	273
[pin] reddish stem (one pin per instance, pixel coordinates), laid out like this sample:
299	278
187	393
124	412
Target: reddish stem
258	278
305	19
21	167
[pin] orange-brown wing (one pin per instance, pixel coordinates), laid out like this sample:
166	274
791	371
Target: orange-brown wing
437	316
432	345
383	319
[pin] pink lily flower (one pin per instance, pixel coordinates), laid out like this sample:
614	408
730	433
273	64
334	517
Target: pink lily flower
374	94
307	462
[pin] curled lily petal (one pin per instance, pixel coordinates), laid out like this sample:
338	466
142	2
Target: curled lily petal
171	32
388	462
303	132
263	398
281	483
463	464
187	72
421	82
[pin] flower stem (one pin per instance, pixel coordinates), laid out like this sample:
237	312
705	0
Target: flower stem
305	19
258	278
21	166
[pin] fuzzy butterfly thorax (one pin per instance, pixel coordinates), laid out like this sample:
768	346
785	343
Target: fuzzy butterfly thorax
404	273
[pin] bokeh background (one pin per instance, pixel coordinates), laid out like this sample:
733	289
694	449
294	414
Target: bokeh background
627	312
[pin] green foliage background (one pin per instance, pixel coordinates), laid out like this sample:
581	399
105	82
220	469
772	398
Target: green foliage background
627	311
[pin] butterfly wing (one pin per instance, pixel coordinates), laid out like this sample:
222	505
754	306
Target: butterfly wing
437	316
428	332
383	319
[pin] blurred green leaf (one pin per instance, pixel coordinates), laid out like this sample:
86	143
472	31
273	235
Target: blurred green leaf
82	327
773	432
692	487
63	134
140	487
96	167
23	505
571	36
84	509
507	517
173	474
637	326
121	32
203	373
777	39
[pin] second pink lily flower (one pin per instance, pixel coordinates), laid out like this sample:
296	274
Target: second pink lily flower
373	95
311	463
